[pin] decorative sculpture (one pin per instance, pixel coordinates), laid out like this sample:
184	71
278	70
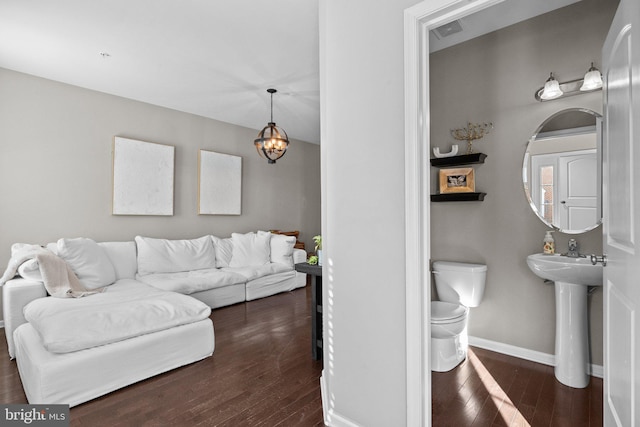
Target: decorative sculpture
472	132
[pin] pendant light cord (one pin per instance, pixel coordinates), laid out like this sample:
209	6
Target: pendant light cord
271	91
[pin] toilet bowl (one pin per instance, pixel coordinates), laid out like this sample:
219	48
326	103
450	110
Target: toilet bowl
459	286
448	335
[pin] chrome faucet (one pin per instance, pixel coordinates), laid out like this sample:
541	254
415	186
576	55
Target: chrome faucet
573	249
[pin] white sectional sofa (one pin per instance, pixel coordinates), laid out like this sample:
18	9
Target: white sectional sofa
150	312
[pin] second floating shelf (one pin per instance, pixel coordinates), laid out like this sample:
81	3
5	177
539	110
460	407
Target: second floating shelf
458	197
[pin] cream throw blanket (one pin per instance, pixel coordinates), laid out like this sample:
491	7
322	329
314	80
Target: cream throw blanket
59	279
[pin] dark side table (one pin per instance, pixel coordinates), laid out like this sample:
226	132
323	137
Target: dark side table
315	271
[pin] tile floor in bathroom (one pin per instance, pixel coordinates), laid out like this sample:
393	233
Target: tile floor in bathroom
492	389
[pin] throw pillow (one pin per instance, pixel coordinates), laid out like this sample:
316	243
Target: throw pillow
173	256
282	249
88	261
250	249
123	258
224	251
30	270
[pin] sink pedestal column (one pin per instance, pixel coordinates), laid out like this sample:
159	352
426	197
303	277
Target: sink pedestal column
572	335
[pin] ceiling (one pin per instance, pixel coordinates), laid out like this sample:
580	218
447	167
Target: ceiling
491	19
211	58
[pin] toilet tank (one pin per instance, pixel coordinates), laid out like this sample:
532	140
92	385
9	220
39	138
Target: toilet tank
459	282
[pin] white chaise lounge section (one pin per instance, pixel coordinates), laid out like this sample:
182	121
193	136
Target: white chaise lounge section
74	378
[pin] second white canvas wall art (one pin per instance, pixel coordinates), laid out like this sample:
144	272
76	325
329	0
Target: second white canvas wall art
219	183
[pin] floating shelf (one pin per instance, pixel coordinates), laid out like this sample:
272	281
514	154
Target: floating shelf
465	159
458	197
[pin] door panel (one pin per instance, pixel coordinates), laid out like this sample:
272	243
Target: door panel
618	131
621	197
620	343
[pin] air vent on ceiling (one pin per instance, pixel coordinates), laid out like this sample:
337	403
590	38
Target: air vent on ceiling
448	29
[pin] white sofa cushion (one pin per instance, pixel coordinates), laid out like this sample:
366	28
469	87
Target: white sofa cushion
172	256
88	261
224	250
123	258
189	282
257	271
282	249
126	310
271	284
251	249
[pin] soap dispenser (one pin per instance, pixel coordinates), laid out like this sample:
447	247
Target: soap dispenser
549	246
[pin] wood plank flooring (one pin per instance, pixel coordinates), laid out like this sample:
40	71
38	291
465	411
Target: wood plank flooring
492	389
262	374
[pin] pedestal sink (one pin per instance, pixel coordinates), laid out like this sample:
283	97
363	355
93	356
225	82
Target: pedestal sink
572	278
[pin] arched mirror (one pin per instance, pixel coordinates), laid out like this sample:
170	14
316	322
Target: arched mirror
562	171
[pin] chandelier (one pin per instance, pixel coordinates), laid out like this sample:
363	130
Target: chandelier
272	141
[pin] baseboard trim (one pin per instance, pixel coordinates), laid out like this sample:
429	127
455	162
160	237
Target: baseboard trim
323	396
1	323
526	354
331	418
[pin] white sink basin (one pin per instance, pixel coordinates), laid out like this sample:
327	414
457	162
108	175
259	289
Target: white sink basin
560	268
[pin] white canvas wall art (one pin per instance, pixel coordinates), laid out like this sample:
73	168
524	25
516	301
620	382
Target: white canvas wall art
143	177
219	183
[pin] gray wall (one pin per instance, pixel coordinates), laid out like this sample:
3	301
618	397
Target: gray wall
493	78
56	169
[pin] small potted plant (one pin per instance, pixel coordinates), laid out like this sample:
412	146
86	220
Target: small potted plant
318	241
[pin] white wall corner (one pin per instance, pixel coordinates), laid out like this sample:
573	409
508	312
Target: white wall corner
1	323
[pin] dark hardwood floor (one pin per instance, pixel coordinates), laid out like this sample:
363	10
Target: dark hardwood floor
492	389
262	374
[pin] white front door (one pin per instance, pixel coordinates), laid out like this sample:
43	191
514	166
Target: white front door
621	191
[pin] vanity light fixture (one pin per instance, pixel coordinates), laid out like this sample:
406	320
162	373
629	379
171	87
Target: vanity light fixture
553	89
592	79
272	141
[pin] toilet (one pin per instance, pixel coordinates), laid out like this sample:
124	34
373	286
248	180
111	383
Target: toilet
459	286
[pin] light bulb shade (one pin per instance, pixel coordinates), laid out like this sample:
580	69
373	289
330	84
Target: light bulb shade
592	79
551	89
272	142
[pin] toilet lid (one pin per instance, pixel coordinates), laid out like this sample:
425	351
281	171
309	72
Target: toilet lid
445	312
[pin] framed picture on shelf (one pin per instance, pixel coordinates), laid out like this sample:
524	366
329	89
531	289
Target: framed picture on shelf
458	180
